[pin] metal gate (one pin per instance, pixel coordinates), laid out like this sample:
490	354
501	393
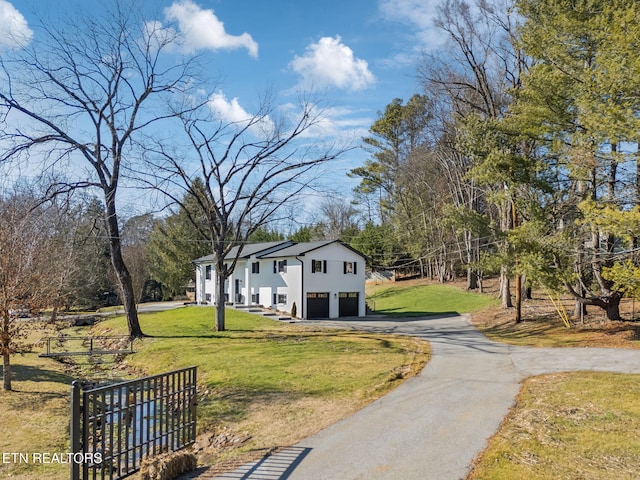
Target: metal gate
114	427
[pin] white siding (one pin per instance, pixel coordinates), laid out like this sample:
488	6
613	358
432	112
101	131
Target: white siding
294	283
335	280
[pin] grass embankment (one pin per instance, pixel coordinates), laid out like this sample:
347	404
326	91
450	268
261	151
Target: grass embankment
34	417
414	299
262	383
580	425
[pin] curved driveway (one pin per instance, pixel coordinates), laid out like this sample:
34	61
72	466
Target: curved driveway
434	424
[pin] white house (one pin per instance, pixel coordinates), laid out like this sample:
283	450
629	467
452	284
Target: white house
323	279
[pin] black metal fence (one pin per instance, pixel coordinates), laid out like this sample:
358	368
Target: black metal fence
114	427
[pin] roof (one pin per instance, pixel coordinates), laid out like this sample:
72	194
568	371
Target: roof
247	250
257	249
300	249
286	248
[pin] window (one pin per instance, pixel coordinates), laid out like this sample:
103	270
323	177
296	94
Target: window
207	272
280	266
279	298
207	297
318	266
350	267
255	298
255	267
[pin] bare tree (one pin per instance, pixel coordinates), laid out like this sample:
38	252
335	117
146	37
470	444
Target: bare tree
473	80
135	237
339	217
26	283
80	98
242	175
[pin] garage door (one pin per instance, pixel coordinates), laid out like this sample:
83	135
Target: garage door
348	304
317	305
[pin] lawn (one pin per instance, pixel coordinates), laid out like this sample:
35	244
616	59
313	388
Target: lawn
34	416
269	383
573	425
262	383
415	299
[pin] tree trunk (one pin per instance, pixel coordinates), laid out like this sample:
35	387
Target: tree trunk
472	277
220	300
6	371
124	278
518	318
613	307
505	289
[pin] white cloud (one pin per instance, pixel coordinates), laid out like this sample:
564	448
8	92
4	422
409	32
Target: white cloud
331	63
419	14
14	31
202	30
231	111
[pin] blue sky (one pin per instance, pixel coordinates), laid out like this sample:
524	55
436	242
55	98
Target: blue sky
361	54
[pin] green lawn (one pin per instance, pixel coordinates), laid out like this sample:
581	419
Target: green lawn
266	382
260	370
400	300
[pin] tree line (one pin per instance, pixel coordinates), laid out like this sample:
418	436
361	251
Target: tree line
519	157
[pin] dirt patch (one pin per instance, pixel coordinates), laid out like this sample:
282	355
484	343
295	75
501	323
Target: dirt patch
542	325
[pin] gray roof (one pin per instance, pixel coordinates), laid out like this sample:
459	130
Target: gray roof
247	250
297	249
285	248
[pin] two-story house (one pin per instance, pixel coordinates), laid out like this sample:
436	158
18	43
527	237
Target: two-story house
323	279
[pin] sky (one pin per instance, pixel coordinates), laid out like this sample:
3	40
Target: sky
361	54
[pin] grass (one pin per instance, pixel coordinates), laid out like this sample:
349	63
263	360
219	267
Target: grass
582	425
402	300
34	417
579	425
262	382
268	381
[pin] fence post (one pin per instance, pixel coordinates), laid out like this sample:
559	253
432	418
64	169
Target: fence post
75	430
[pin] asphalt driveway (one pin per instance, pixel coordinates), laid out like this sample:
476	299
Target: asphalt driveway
435	424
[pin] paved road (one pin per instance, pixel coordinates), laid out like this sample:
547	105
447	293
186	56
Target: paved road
434	424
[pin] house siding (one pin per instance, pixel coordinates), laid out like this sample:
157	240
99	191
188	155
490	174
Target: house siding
335	281
296	282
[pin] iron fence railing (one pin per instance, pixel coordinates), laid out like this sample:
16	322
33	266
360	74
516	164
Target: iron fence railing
114	427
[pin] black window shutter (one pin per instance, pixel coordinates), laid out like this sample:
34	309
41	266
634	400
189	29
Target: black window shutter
275	266
355	270
324	266
344	267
